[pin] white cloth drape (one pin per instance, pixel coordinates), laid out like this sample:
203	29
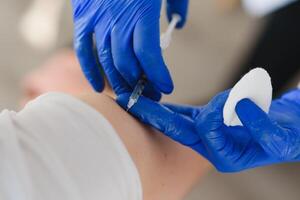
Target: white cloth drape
60	148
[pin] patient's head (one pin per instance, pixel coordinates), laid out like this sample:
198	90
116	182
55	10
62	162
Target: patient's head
60	73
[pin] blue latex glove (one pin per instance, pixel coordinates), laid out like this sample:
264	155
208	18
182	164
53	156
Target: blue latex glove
127	37
263	140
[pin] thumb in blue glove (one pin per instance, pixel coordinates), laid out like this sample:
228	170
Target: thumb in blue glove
278	132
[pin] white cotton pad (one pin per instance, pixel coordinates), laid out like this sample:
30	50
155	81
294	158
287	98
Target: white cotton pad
256	86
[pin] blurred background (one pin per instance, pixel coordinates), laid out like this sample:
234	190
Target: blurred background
221	41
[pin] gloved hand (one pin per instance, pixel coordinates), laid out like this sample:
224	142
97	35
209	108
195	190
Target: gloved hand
263	140
127	37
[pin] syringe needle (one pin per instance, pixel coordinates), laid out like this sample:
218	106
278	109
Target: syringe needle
137	92
131	102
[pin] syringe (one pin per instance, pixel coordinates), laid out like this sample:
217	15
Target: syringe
165	41
137	92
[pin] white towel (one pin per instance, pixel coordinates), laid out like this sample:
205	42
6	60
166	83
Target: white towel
59	148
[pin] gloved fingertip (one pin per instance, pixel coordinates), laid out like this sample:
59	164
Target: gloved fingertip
257	122
156	97
165	87
179	7
248	111
97	84
161	79
151	93
182	21
98	87
123	99
180	25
